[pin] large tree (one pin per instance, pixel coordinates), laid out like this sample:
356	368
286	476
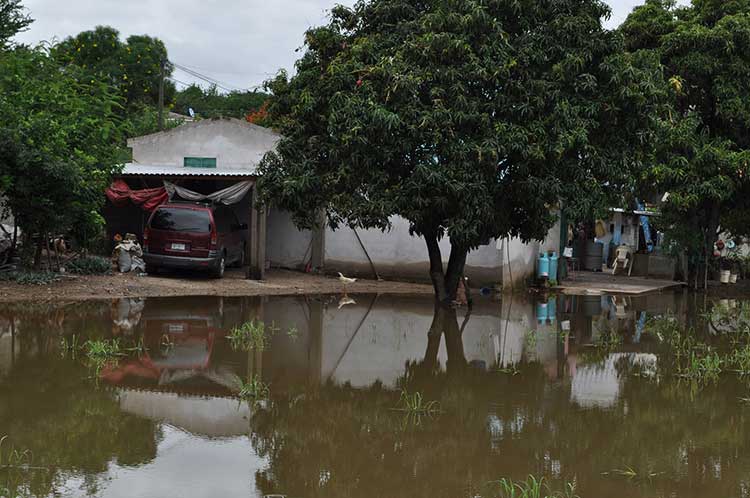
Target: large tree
132	66
60	141
470	119
702	157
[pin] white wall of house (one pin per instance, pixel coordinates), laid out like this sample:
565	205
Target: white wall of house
520	265
235	144
397	254
286	247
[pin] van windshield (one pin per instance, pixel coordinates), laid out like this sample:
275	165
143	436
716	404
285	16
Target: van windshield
181	220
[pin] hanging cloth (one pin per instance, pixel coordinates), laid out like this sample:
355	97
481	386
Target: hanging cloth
149	199
227	196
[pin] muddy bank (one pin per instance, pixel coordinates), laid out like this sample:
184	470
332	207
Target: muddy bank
278	282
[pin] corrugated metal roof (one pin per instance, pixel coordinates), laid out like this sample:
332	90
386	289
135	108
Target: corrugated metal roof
157	170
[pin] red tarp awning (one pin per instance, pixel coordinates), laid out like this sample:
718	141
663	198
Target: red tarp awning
149	199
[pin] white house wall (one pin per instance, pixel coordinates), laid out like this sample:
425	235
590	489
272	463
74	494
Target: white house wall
520	265
286	246
234	144
397	254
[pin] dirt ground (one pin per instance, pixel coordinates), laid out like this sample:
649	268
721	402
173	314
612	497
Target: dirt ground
278	282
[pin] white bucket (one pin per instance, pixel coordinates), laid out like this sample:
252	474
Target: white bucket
733	278
724	276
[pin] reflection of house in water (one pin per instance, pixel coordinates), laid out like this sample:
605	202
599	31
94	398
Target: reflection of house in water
179	336
598	385
209	415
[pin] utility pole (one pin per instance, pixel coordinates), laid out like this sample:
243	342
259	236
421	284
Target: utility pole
161	93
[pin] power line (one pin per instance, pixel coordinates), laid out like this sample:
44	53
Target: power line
213	81
208	79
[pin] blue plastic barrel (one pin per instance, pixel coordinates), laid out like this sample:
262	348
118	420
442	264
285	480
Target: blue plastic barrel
553	259
541	312
551	309
542	269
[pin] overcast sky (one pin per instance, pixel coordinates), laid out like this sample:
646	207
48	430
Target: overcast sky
238	42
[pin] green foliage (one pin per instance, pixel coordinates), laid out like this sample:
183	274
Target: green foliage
415	403
472	120
253	388
132	66
532	487
102	349
60	141
701	157
89	265
28	277
210	103
249	336
13	20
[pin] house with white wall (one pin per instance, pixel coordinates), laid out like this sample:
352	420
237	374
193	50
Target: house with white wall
211	154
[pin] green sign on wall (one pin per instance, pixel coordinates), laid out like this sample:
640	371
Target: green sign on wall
200	162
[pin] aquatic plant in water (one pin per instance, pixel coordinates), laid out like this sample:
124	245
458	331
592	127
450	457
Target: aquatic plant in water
12	457
102	349
531	488
702	368
415	403
252	388
70	346
248	336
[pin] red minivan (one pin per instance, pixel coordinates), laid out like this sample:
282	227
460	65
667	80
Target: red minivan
194	236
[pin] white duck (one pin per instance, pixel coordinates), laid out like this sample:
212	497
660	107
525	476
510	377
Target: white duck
346	280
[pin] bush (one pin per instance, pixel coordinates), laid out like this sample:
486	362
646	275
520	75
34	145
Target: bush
90	265
30	277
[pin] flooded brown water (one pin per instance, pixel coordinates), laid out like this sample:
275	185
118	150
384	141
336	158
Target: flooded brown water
523	388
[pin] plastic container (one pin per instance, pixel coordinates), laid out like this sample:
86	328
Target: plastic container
733	278
553	260
551	310
541	312
542	267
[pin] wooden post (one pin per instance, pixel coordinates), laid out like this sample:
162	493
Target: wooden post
252	243
257	243
315	342
261	242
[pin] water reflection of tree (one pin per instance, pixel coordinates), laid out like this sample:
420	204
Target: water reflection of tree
51	409
340	441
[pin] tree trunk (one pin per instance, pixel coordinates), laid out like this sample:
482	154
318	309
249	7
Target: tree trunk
445	322
38	253
445	283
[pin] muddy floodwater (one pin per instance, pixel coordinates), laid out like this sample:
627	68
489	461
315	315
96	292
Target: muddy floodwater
570	389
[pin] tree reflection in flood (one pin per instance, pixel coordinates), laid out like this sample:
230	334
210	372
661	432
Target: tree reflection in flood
565	388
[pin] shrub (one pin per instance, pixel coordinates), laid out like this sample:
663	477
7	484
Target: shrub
24	277
90	265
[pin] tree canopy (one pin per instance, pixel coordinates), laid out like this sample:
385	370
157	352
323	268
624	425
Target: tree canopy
471	120
13	20
133	66
701	159
60	140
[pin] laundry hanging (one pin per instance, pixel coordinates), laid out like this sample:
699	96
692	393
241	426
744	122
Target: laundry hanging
149	199
230	195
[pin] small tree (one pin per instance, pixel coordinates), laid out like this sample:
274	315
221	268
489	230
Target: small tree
59	144
472	120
